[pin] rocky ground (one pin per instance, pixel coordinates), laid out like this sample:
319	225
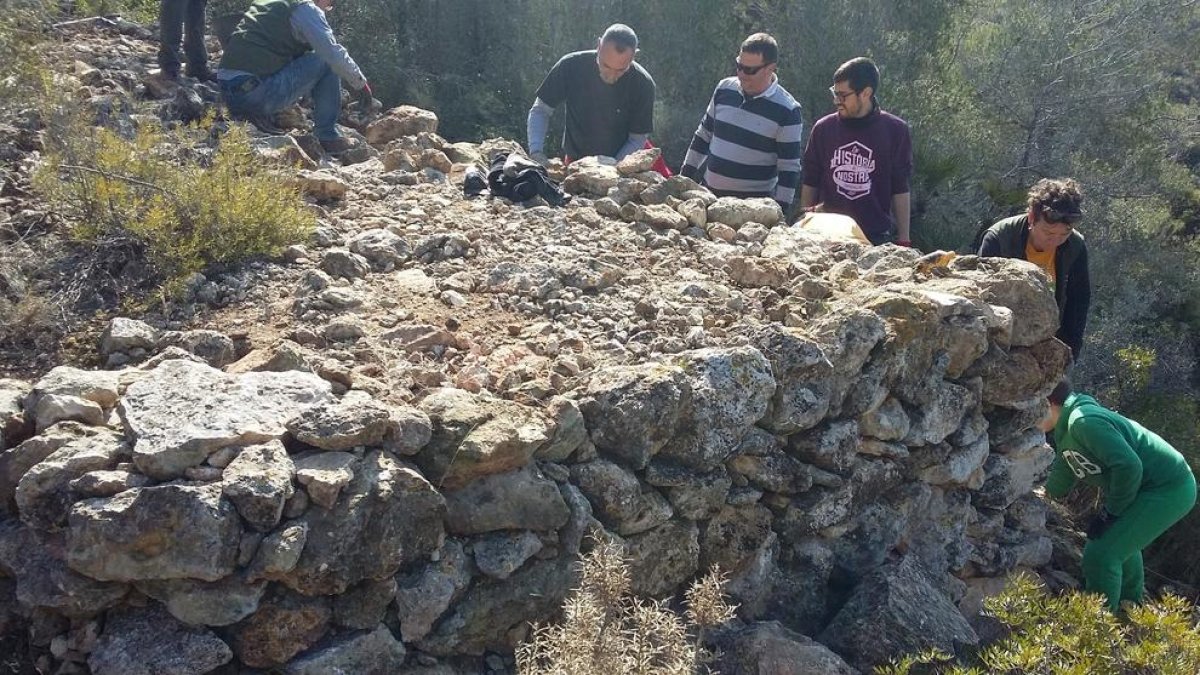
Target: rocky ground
387	446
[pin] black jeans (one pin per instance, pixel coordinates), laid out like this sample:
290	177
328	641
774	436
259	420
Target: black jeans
182	21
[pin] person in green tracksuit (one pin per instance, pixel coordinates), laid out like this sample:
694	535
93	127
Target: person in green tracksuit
1147	485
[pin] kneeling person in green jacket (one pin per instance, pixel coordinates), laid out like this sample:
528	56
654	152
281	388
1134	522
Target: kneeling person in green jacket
1147	485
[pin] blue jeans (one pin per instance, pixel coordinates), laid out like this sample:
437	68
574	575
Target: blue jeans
286	86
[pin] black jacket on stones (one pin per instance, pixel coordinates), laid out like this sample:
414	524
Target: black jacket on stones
1072	287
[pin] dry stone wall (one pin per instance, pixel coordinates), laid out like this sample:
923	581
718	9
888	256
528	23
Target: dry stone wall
854	468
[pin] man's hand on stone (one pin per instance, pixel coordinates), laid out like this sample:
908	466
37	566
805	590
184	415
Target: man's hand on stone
366	100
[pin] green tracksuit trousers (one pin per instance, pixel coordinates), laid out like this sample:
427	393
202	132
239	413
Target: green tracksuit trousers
1112	564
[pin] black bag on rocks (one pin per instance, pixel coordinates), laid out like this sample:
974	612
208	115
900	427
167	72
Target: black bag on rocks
519	179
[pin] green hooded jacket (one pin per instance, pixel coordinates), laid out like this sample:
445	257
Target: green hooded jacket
1116	454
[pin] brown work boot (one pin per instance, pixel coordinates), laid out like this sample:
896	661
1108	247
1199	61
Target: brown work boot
336	146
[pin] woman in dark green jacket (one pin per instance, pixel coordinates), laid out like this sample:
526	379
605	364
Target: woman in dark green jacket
1147	485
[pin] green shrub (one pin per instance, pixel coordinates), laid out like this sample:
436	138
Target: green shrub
1074	633
181	209
606	630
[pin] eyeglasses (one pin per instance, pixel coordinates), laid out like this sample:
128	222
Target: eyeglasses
841	96
1067	217
749	70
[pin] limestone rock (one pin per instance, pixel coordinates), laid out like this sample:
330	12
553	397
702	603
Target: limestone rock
1010	476
486	615
373	653
43	580
730	391
148	641
802	373
700	495
401	121
896	611
16	461
959	467
888	422
258	482
106	483
941	416
125	335
736	212
663	558
423	596
43	494
321	185
500	554
388	516
1011	378
618	498
408	431
638	162
54	408
284	150
181	412
733	537
767	648
162	532
362	607
325	474
594	180
216	349
345	264
773	471
99	387
570	430
661	216
200	603
475	436
632	412
832	446
13	427
1015	284
355	419
278	553
517	500
383	248
284	625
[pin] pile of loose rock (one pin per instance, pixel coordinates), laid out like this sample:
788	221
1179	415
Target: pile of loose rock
866	470
383	452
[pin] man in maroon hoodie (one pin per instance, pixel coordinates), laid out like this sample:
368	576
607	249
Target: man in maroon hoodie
858	161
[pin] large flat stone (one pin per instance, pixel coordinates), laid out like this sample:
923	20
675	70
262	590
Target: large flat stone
163	532
183	411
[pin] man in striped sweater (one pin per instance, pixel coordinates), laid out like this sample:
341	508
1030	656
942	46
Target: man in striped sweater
748	144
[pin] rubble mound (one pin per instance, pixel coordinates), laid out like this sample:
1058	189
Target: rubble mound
385	451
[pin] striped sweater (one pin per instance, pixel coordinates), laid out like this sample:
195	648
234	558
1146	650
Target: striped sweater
752	145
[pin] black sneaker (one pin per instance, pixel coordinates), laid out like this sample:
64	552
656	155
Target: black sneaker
204	75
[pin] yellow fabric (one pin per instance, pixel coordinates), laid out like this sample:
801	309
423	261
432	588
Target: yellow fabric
1043	259
833	226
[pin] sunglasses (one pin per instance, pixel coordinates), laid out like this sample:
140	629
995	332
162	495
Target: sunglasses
749	70
841	96
1069	218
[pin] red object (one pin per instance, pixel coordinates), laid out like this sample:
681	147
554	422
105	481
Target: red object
660	165
904	242
367	87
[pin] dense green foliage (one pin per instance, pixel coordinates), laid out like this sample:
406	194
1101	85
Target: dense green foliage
1074	633
182	213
